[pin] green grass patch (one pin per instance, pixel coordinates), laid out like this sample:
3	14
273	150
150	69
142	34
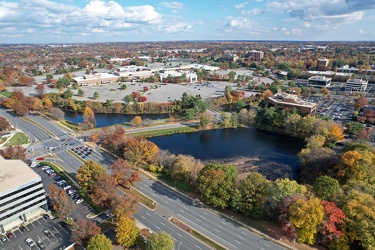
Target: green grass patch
154	133
71	125
6	93
141	197
18	138
3	139
207	240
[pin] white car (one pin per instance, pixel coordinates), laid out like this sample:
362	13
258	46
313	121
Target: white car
79	201
30	242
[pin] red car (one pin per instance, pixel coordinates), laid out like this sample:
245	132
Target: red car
10	235
40	159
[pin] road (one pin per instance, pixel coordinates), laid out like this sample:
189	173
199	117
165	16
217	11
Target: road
228	234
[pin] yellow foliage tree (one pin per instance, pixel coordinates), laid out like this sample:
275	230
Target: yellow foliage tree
306	217
126	231
137	120
47	102
37	105
336	133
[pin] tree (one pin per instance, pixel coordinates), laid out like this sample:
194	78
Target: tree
126	231
141	152
61	202
67	94
86	230
88	173
137	120
123	174
38	105
128	98
96	95
184	169
336	133
103	191
306	216
360	102
160	241
80	92
325	91
125	205
40	90
123	87
99	242
282	188
360	217
94	137
216	183
57	113
4	124
14	153
333	218
326	187
47	103
89	116
21	109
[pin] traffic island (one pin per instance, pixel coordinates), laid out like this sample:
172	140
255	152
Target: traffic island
194	233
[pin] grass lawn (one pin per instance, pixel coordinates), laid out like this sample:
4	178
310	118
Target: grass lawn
3	139
17	139
162	132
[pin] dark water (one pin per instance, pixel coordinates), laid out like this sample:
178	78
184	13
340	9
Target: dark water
103	120
272	151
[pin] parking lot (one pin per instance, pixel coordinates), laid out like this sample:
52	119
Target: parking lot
59	237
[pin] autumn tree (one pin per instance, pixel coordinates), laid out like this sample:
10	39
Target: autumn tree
125	205
89	116
123	174
306	216
336	133
115	139
141	152
333	218
4	124
267	93
57	113
38	105
94	137
103	191
39	89
184	169
14	153
86	230
282	188
360	217
61	202
47	103
326	187
137	120
126	231
88	174
160	241
216	183
99	242
360	102
325	91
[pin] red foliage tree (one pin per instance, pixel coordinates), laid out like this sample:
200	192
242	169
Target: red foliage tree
86	229
334	216
142	99
40	90
123	173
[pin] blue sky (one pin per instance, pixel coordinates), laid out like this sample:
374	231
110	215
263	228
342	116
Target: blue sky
72	21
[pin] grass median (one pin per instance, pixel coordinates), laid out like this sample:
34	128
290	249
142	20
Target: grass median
161	132
151	204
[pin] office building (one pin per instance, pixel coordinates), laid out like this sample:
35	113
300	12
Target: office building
356	85
284	100
257	55
319	81
96	80
21	194
322	64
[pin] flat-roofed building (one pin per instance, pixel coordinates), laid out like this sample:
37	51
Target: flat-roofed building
96	80
230	57
319	81
283	100
191	76
356	85
21	194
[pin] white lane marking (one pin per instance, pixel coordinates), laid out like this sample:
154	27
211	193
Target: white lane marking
202	217
148	214
220	226
243	233
238	242
240	237
198	220
166	202
162	223
205	213
143	217
179	234
181	211
157	227
216	230
267	245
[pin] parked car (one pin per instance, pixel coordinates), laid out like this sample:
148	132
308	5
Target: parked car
63	224
57	178
46	216
52	174
45	167
30	242
23	229
47	233
60	183
3	238
65	187
40	159
40	244
71	191
79	200
10	235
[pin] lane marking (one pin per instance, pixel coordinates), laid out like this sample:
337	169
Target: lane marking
267	245
238	242
216	230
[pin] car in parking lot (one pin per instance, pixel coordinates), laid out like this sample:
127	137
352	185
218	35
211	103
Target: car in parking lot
53	174
65	187
23	229
79	200
63	224
45	167
47	233
71	191
40	244
30	242
60	183
3	238
10	235
57	178
40	159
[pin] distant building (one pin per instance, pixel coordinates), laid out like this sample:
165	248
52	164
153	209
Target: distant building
322	64
97	79
257	55
319	81
191	76
284	100
230	57
356	85
21	194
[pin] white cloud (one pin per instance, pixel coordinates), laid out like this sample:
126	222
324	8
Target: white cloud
173	5
241	5
243	25
306	24
296	31
253	12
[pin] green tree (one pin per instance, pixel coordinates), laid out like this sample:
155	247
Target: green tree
306	217
63	82
128	98
160	241
216	183
67	94
88	173
126	231
282	188
99	242
123	87
95	95
80	92
326	187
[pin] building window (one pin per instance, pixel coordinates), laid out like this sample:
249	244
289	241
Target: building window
20	190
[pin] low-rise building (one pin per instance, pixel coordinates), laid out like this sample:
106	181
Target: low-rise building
191	76
319	81
230	57
97	79
283	100
356	85
21	194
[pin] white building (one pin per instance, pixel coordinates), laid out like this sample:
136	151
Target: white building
96	80
319	81
356	85
191	76
21	194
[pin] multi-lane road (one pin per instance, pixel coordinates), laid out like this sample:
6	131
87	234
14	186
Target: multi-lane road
225	232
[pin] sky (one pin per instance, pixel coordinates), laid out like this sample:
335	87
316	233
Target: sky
81	21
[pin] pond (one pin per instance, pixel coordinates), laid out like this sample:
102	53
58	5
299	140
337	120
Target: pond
271	154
